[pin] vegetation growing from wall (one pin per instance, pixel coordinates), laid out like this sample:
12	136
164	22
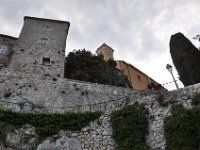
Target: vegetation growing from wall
83	65
180	132
46	124
130	126
182	127
196	100
162	102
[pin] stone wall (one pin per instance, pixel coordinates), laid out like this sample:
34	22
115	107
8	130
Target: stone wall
41	94
57	94
96	136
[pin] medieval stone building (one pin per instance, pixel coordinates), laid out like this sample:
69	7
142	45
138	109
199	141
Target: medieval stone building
39	50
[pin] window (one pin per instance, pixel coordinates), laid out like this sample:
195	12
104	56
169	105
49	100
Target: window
48	27
46	61
3	49
43	40
110	53
139	77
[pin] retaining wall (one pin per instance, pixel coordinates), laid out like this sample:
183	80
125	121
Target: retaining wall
34	94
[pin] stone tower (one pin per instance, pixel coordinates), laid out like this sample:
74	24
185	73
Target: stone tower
40	48
106	51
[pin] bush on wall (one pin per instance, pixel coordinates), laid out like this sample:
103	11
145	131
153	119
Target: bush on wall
182	127
46	124
130	126
196	100
180	132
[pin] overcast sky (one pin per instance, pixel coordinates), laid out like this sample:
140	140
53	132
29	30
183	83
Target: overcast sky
138	30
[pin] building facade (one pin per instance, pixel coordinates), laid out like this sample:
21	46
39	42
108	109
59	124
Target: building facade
39	50
138	79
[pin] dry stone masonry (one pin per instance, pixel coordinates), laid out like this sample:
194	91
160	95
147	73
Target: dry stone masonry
31	80
98	135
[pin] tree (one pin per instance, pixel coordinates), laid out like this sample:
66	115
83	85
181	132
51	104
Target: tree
197	37
83	65
186	58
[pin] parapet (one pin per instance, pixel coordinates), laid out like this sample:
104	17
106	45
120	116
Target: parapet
48	20
5	39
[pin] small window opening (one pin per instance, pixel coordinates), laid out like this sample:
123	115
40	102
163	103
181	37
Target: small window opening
48	27
110	53
35	62
139	77
3	49
46	61
43	40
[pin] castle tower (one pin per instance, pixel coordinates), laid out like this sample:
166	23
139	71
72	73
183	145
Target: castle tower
106	51
40	48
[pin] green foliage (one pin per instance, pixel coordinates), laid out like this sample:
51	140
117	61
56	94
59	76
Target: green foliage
196	100
182	127
130	126
46	124
83	65
180	132
186	58
161	100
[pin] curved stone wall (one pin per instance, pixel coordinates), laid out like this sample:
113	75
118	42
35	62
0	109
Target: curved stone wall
46	94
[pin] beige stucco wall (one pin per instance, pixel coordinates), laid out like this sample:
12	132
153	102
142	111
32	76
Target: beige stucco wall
139	81
106	52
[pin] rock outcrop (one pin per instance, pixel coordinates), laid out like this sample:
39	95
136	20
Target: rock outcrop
24	138
186	58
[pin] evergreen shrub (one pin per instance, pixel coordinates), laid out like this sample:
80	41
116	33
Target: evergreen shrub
46	124
130	126
180	132
182	127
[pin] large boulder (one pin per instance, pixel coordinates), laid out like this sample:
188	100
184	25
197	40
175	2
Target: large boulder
24	138
186	58
60	142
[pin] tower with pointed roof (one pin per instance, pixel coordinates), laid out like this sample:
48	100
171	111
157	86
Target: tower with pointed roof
106	51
